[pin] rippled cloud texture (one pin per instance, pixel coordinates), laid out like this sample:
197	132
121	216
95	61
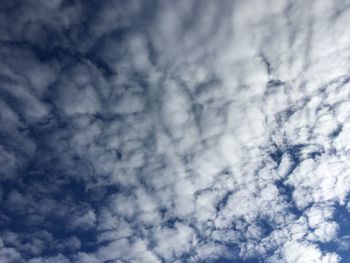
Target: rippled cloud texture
174	131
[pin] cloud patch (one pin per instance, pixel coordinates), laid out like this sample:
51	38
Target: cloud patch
161	131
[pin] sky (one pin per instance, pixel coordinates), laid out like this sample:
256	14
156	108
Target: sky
161	131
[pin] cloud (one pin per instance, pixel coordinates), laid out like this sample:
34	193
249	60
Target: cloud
188	131
55	259
7	254
303	252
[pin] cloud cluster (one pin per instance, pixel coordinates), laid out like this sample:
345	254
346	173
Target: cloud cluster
174	131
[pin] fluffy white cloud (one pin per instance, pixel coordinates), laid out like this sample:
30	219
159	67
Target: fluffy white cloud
294	252
173	131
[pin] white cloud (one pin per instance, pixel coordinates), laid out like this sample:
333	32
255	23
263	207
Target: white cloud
8	254
123	249
296	252
55	259
173	242
193	129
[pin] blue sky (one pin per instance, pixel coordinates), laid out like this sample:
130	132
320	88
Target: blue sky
174	131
